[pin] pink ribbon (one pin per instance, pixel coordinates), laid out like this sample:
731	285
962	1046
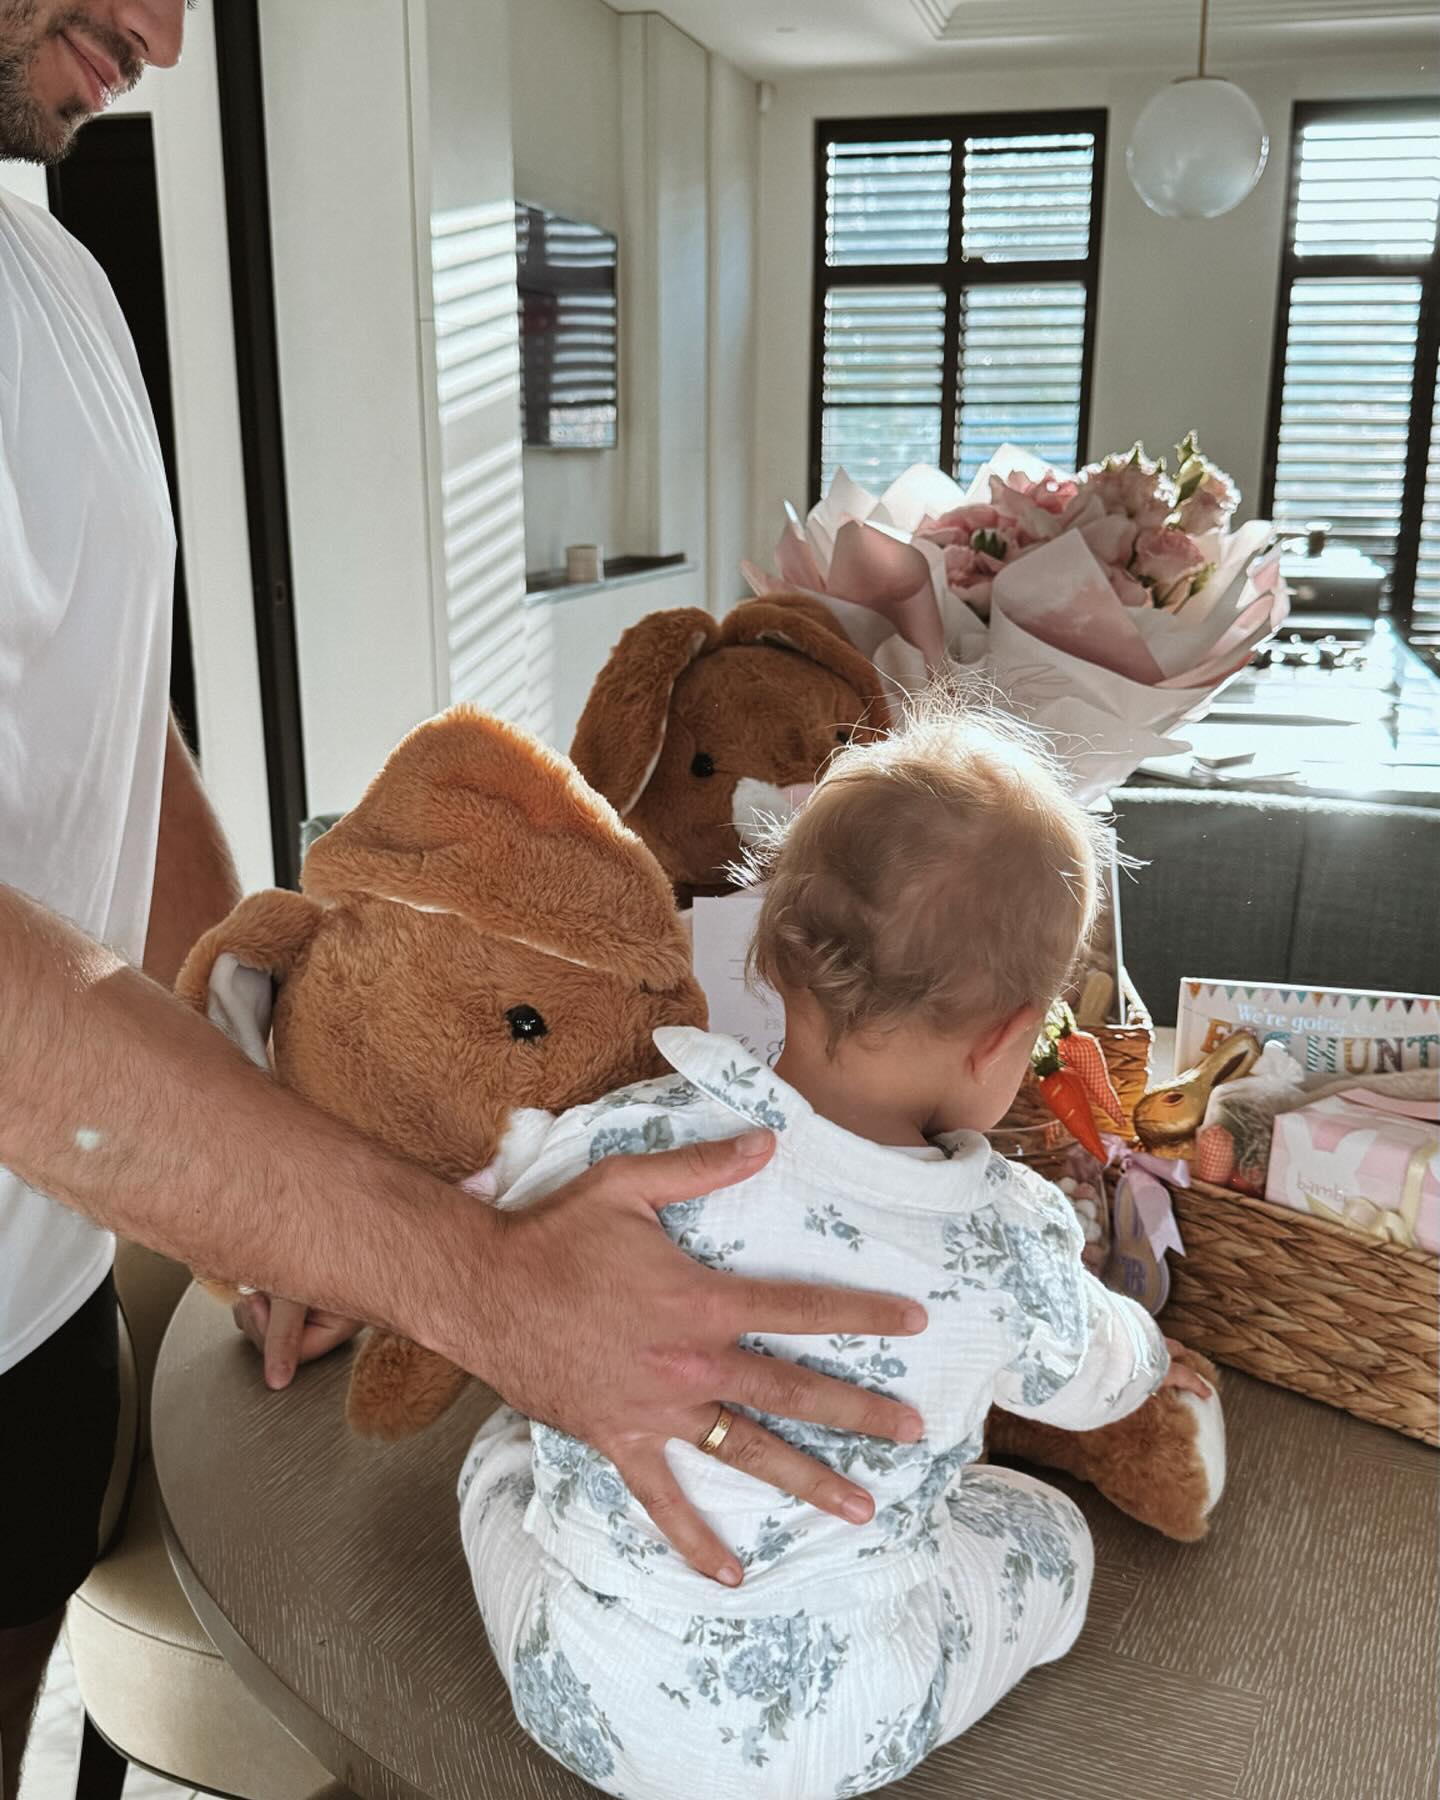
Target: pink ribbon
1150	1179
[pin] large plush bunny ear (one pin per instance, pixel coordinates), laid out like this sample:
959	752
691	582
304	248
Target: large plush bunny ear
230	973
622	729
798	622
475	817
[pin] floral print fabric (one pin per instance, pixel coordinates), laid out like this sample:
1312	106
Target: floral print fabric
849	1651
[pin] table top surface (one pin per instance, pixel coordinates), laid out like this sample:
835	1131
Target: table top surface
1367	731
329	1572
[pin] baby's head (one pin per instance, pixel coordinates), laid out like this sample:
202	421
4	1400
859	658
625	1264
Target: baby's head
929	900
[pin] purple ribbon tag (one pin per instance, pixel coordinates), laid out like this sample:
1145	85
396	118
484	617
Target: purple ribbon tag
1143	1224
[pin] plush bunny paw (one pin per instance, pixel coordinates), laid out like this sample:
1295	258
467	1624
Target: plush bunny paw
397	1389
1163	1465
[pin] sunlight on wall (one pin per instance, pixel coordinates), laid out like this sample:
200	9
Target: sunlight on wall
477	371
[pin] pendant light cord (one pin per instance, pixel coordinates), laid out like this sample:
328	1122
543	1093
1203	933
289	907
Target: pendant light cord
1204	33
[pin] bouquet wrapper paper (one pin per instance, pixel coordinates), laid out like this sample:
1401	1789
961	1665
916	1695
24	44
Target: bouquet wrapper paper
1365	1161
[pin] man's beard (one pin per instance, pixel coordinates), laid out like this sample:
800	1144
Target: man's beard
30	131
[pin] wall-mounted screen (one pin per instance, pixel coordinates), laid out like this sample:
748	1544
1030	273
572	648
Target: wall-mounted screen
568	331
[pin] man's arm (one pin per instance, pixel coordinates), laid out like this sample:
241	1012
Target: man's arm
126	1105
195	880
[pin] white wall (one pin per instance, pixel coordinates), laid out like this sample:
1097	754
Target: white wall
734	155
1186	309
184	109
345	235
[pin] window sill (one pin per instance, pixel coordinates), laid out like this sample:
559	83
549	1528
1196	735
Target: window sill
620	572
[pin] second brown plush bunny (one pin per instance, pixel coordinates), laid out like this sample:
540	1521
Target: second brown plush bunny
697	725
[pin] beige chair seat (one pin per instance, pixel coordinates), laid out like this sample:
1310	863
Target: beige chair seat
159	1690
151	1680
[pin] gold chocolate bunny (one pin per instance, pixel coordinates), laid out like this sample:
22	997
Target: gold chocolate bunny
1172	1114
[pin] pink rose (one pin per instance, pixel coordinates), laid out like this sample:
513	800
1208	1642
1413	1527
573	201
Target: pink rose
968	575
1209	507
1128	591
1023	518
959	526
1132	485
1168	562
1050	493
1111	539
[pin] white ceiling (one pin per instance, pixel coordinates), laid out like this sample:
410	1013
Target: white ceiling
779	38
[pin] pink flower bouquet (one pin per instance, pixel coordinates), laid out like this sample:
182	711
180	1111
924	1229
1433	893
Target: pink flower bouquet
1107	607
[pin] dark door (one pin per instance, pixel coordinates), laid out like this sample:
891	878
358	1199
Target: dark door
104	193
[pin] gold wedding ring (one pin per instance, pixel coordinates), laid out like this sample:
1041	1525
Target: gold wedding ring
717	1433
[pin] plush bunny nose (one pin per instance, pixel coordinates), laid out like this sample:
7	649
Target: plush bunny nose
757	806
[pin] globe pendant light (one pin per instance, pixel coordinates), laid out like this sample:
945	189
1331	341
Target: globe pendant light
1199	146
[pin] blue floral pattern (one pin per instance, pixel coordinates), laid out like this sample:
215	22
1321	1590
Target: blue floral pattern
829	1222
555	1706
742	1086
783	1666
1037	1527
901	1743
570	1474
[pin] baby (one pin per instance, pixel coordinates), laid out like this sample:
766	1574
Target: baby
920	912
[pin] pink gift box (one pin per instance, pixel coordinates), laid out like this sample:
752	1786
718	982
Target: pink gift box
1364	1161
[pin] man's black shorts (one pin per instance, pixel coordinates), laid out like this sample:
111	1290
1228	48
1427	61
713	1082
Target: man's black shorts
58	1412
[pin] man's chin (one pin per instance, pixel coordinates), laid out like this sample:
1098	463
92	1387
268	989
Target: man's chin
43	137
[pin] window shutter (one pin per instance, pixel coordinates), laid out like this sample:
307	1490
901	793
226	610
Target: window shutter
1365	200
1345	409
1021	361
888	202
1425	622
883	374
943	367
1027	199
1368	187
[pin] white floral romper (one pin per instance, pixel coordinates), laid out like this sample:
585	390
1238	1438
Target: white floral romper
849	1652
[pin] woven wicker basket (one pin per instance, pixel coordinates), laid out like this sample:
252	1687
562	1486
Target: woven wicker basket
1308	1305
1127	1050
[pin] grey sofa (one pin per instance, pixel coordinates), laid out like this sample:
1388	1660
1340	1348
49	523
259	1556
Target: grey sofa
1262	888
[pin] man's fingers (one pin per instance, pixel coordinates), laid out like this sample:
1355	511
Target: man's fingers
647	1475
325	1332
251	1313
283	1336
797	1309
768	1384
670	1175
760	1453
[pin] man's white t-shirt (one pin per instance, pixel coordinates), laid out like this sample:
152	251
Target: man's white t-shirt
87	554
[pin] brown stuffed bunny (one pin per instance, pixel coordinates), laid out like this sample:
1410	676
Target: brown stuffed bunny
479	936
695	725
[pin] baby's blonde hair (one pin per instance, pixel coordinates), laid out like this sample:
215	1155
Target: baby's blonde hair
941	874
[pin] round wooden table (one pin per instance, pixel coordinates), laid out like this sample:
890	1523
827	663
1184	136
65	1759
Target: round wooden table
328	1571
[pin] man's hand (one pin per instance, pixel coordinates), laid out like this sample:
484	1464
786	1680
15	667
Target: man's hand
615	1336
288	1334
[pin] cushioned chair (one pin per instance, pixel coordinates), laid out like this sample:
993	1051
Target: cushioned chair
156	1691
1300	893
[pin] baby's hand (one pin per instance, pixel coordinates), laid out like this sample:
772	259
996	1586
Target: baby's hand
287	1334
1178	1375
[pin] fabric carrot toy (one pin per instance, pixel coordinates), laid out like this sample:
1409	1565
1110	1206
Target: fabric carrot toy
1081	1052
1064	1093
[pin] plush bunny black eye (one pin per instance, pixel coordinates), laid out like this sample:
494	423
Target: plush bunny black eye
844	735
704	763
526	1025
